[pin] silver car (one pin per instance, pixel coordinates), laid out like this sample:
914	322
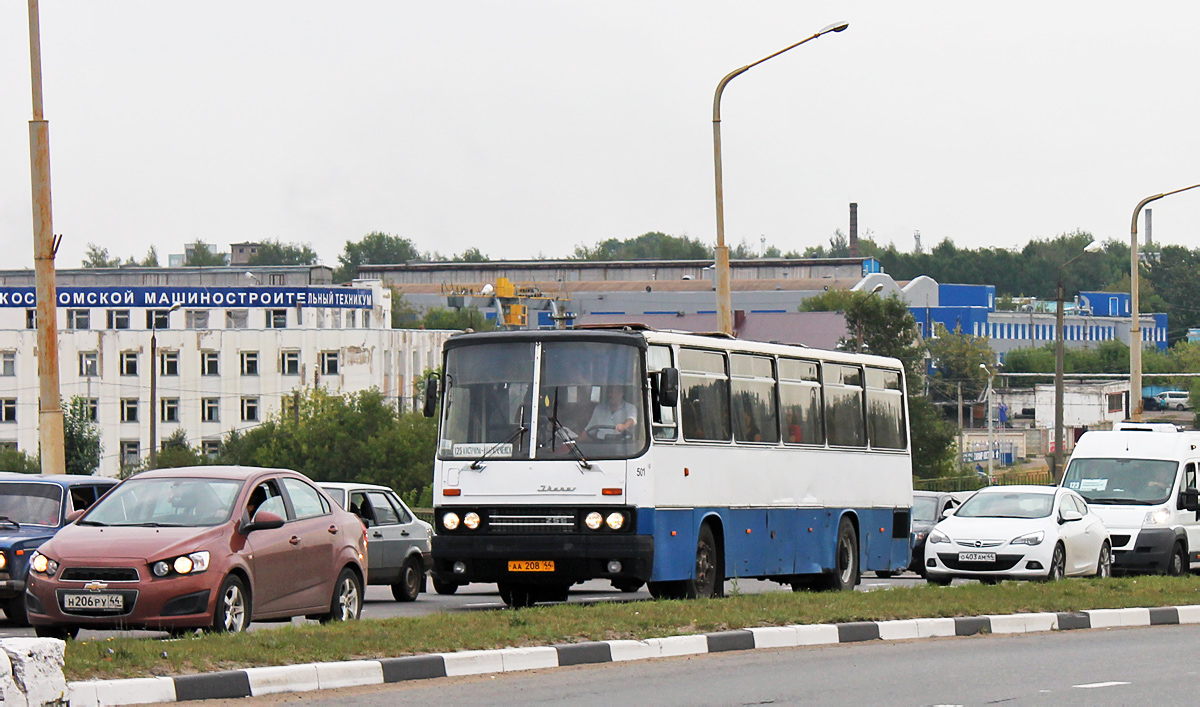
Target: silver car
398	550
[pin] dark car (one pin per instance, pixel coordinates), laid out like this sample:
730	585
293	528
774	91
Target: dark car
1151	403
32	509
200	547
927	510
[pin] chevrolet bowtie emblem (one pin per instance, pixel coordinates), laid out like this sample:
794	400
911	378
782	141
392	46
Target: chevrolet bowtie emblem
95	586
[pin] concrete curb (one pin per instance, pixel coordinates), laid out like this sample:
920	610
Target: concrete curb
252	682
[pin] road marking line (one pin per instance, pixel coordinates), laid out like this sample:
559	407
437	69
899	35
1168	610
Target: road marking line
1091	685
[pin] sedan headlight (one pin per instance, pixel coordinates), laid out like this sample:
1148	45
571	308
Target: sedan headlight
3	561
192	563
937	536
43	565
1158	516
1030	538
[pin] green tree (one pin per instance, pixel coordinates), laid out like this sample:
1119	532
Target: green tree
18	461
81	438
648	246
352	437
176	452
151	259
957	358
203	255
273	252
375	248
472	255
461	318
97	257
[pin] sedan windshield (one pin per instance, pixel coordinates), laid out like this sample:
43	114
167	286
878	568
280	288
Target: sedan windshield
1144	482
924	509
166	502
1007	505
30	503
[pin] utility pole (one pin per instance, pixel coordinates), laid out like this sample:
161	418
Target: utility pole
50	414
960	429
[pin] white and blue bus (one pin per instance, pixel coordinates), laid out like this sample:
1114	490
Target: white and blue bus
677	460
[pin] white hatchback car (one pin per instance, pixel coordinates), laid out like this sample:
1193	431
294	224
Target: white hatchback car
1019	532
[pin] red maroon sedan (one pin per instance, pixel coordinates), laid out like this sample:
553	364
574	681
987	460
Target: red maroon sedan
200	547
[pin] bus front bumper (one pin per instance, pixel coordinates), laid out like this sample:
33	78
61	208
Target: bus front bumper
575	558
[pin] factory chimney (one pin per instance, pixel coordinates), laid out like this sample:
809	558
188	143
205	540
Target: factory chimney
853	229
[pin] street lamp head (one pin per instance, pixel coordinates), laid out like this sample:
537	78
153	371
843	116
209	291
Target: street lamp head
877	289
835	27
175	306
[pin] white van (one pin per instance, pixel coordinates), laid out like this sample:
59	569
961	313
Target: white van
1141	480
1174	400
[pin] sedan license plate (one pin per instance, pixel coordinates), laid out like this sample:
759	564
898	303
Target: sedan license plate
531	565
976	557
95	602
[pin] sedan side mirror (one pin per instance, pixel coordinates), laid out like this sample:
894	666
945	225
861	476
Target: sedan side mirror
947	513
1068	516
431	396
76	514
1189	500
263	520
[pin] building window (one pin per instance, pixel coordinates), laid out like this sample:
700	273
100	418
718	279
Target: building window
118	319
350	319
31	319
196	319
79	319
210	409
250	409
210	363
129	410
131	452
249	363
8	363
8	410
275	278
158	319
8	446
129	363
335	319
237	318
169	409
329	363
1116	402
210	447
168	363
276	318
366	320
290	363
89	363
92	407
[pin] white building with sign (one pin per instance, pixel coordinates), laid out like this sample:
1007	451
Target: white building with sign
226	357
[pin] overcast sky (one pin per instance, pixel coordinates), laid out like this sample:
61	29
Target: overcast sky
526	128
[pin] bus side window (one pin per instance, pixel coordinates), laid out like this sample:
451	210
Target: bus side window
662	418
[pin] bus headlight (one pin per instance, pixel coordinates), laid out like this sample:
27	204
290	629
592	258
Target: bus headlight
450	521
615	520
593	520
471	520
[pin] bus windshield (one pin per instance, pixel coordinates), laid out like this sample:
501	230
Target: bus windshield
590	403
1145	482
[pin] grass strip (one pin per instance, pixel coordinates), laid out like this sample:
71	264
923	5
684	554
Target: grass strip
570	623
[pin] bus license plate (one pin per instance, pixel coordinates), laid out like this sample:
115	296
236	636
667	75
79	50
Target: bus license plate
976	557
98	602
531	565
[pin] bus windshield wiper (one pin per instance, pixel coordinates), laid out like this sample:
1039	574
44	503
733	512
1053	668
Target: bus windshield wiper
568	440
521	430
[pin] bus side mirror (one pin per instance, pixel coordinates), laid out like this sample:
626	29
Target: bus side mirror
1189	499
431	396
668	387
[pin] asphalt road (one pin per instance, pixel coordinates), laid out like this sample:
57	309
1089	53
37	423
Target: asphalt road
1089	667
379	603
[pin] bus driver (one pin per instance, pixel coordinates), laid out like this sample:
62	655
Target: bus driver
613	417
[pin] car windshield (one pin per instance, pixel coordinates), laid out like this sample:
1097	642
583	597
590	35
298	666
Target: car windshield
924	509
166	502
1014	504
589	392
1145	482
30	503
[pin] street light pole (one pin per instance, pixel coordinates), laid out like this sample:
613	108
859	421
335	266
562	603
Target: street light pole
724	305
1059	359
1135	324
154	383
50	414
991	443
